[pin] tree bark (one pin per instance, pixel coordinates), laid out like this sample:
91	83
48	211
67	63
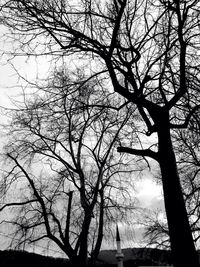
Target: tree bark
182	244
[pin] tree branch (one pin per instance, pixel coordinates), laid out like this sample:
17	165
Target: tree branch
139	152
18	204
187	120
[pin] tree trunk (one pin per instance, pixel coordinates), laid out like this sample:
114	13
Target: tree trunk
80	260
83	249
95	252
83	253
182	244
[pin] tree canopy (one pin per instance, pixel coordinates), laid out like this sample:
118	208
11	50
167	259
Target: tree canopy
149	52
61	154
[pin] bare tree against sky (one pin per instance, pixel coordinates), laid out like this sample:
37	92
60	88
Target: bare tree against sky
62	149
149	50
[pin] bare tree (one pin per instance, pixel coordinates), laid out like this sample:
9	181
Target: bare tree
186	145
149	50
62	150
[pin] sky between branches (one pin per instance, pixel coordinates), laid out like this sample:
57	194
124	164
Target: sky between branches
148	192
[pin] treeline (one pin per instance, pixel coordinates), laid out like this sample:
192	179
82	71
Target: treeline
10	258
133	257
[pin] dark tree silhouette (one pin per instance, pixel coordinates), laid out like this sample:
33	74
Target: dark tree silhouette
149	50
186	145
